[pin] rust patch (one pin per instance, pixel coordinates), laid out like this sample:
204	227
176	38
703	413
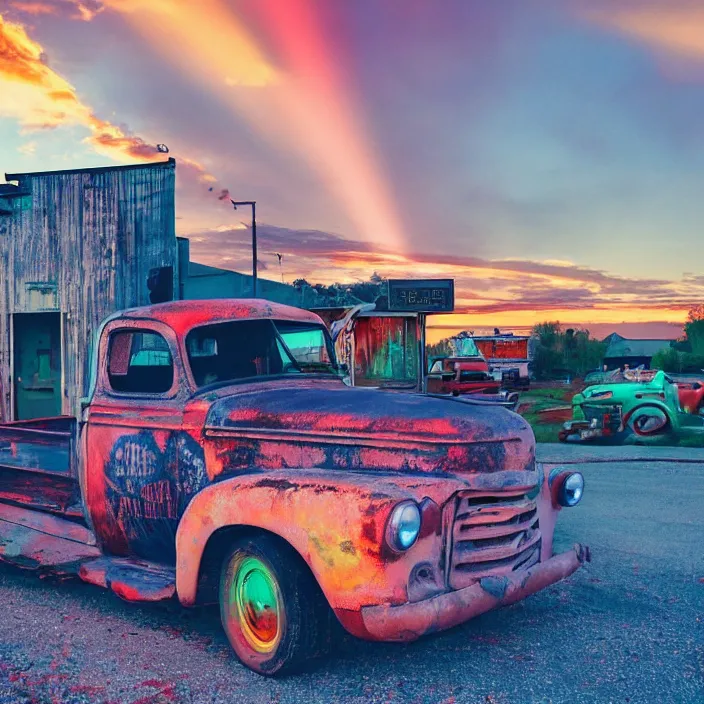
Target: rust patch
280	484
323	488
496	586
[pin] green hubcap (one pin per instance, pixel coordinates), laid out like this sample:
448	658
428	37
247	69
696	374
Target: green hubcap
255	598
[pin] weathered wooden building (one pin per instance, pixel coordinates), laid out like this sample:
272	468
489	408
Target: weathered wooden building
75	246
381	348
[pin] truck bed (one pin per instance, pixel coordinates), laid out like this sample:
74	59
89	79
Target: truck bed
38	467
41	522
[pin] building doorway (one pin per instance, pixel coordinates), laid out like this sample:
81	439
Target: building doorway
36	339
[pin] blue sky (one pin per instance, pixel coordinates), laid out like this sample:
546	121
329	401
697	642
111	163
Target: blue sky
546	154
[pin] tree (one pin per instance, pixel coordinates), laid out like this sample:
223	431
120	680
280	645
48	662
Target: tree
668	359
440	349
687	353
368	291
571	351
694	329
546	357
346	294
696	313
548	333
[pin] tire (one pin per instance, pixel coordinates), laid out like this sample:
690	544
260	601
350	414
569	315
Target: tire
649	424
296	623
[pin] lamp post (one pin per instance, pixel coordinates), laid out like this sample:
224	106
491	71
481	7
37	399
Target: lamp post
235	203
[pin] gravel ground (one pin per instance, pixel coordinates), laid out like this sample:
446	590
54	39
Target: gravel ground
627	628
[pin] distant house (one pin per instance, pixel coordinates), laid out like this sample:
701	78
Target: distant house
621	351
507	353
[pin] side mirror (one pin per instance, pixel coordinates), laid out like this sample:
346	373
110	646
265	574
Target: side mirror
696	386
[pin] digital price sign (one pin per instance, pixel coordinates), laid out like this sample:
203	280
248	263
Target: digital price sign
422	295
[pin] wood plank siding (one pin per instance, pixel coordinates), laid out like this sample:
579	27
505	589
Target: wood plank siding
81	243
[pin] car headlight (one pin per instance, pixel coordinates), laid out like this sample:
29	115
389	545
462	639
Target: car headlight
571	490
403	526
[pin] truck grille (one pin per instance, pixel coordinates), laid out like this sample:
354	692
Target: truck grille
607	417
492	535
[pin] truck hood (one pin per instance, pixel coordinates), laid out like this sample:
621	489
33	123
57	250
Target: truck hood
599	392
321	424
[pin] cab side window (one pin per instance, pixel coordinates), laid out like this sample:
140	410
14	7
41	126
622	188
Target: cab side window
139	362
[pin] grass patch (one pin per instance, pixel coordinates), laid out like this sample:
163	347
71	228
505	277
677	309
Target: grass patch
690	440
546	432
535	395
537	400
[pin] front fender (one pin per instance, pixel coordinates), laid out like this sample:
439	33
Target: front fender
335	521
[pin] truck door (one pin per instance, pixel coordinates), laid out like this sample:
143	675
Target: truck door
131	440
37	365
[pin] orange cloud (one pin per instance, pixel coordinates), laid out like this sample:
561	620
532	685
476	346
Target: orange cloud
39	98
489	292
34	8
79	10
675	31
33	93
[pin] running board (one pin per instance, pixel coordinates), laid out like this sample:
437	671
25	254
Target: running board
131	579
40	541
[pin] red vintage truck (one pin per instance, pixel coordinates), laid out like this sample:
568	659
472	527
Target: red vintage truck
460	375
690	390
221	458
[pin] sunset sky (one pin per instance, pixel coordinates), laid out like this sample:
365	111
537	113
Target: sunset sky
547	154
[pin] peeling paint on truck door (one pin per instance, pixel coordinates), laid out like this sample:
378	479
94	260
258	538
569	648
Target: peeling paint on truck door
132	472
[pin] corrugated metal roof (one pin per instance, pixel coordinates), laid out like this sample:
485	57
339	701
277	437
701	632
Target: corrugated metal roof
8	190
94	170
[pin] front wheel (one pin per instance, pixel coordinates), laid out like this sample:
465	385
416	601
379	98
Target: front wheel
649	421
273	612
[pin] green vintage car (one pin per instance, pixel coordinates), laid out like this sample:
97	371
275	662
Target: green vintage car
639	404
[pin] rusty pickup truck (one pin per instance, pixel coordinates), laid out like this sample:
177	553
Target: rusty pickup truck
220	458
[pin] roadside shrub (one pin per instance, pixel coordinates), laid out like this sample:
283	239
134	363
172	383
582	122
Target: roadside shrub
668	360
674	362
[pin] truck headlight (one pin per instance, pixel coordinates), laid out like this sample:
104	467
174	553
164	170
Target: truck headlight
571	490
403	526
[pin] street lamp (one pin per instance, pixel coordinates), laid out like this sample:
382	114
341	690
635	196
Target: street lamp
235	203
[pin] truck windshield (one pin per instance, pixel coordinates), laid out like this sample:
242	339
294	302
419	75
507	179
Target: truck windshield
253	348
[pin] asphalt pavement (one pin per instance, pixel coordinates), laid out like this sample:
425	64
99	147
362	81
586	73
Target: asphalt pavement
628	628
